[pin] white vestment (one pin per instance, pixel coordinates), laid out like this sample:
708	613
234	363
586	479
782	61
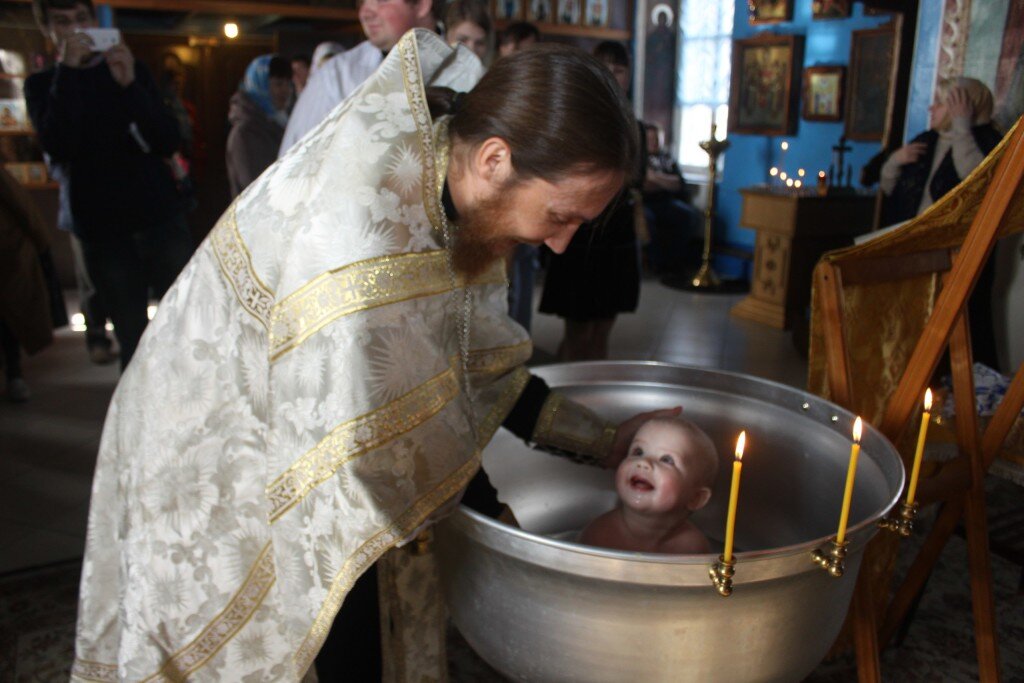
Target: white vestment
298	405
328	86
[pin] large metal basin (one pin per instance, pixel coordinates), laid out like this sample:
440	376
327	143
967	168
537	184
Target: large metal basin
538	607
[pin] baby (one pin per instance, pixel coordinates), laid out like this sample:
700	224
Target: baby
667	474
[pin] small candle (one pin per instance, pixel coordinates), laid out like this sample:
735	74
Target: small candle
734	492
851	474
919	451
783	176
784	145
773	171
800	172
789	182
797	184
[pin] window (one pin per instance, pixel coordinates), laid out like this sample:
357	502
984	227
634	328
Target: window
704	68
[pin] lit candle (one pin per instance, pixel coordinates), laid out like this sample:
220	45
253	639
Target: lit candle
851	473
921	437
797	184
734	492
784	145
773	171
789	182
783	176
800	172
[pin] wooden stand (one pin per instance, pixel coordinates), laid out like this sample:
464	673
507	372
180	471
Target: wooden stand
947	325
793	231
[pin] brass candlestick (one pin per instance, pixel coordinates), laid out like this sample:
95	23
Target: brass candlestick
902	523
706	277
832	560
721	574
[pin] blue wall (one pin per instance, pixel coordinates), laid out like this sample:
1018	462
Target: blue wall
750	156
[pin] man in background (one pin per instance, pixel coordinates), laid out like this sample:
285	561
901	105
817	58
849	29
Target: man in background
517	36
383	22
100	115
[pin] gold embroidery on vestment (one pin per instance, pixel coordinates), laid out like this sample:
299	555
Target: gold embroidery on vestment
225	625
85	670
572	427
358	287
236	264
500	410
357	437
371	551
500	358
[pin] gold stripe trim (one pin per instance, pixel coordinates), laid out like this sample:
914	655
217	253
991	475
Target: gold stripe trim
500	359
226	624
371	551
236	264
413	81
358	287
357	437
85	670
516	383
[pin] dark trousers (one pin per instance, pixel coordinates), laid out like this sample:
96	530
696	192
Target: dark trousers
124	270
673	225
11	352
352	651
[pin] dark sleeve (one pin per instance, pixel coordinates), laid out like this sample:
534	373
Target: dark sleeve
525	413
158	126
53	100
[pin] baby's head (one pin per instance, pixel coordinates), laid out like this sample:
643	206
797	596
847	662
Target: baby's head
669	470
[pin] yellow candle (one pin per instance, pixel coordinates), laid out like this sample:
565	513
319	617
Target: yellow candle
734	492
851	474
921	437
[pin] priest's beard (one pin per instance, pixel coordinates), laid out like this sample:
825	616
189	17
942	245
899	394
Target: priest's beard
481	237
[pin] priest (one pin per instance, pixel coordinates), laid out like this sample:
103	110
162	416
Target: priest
318	384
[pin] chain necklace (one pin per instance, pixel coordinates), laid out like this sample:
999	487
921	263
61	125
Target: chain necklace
464	311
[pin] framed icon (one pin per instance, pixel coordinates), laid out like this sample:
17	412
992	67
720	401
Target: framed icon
823	93
762	97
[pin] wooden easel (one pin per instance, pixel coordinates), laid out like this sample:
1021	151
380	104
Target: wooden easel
961	482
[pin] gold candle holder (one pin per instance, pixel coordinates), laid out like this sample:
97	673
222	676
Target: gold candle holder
832	560
903	522
706	278
721	574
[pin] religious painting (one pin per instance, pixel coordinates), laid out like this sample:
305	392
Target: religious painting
823	93
569	12
596	13
762	95
830	9
655	73
540	10
508	9
770	11
871	59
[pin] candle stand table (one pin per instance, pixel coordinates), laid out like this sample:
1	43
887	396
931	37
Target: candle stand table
793	230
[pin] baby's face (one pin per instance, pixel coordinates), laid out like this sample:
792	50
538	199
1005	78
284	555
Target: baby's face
662	473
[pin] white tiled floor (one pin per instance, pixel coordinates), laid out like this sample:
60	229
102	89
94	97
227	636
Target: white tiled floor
48	446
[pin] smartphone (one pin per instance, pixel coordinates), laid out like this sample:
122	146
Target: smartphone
102	38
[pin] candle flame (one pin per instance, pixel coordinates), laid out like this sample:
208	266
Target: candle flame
773	171
858	428
741	442
821	174
789	182
800	172
797	183
928	399
785	146
783	176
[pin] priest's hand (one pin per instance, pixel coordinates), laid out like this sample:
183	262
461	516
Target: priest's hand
628	429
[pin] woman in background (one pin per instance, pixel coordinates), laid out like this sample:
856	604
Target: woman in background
915	176
258	115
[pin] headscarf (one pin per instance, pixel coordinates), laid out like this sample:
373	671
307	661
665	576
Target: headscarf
256	85
323	52
980	98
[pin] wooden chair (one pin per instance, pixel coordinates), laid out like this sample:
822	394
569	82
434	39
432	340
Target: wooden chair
883	313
